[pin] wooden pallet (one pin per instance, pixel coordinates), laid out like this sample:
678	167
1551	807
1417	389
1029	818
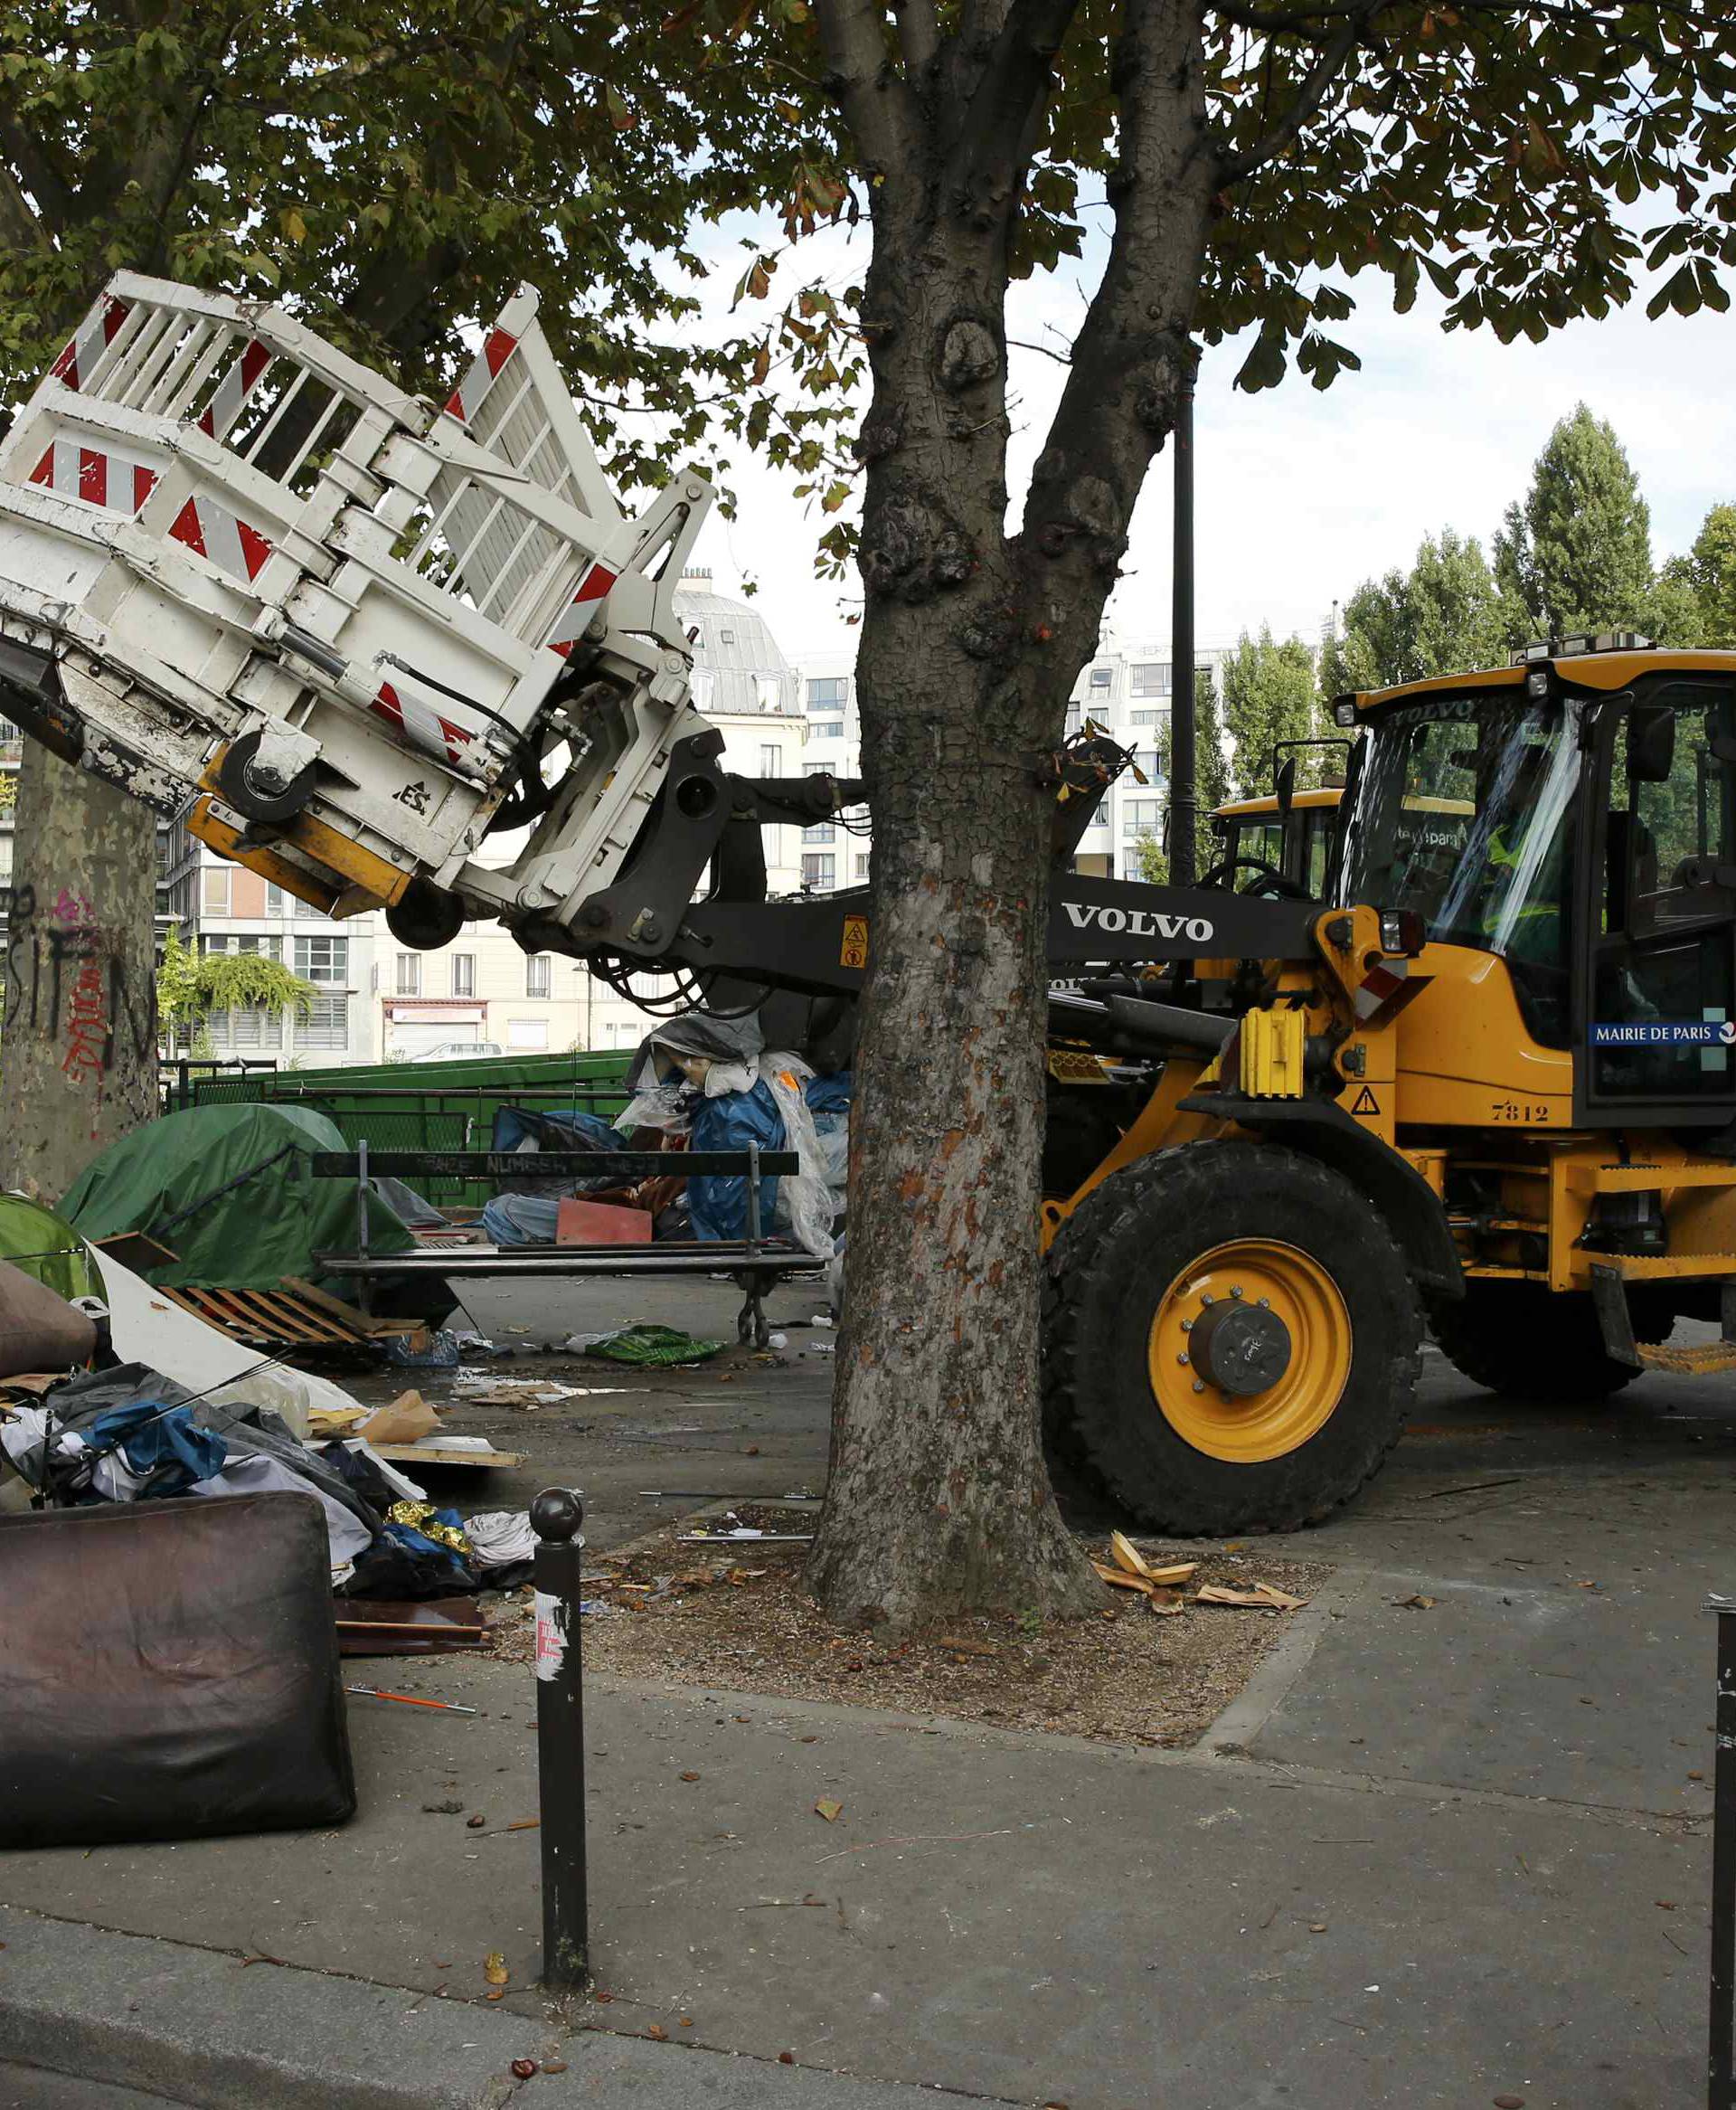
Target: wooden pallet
296	1314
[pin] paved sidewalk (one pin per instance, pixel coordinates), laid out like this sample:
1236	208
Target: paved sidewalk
1433	1856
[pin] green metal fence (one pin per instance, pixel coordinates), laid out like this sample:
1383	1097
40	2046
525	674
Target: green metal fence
433	1106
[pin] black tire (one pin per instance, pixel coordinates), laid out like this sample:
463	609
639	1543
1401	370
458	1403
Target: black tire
1526	1341
425	916
240	791
1108	1271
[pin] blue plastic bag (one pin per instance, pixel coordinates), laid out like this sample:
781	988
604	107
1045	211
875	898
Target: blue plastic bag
719	1206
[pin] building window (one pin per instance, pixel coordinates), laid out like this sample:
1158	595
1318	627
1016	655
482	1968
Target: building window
215	890
819	871
276	901
1144	717
323	961
771	760
527	1033
821	831
829	729
726	637
1152	679
816	769
770	690
861	863
1102	677
1142	816
464	974
234	942
833	692
1146	760
539	975
409	974
327	1024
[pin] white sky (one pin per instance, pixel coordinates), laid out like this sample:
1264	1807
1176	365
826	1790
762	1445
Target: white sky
1301	495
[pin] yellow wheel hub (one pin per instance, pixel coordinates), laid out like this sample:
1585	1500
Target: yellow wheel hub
1250	1350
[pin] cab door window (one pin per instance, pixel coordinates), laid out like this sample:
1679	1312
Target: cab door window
1663	1018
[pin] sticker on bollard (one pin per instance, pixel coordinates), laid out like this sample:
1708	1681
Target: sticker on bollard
556	1515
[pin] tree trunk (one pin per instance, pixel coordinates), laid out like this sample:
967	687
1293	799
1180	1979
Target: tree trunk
938	1498
78	1065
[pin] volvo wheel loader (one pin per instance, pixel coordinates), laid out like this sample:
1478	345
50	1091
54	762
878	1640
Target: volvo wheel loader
1488	1082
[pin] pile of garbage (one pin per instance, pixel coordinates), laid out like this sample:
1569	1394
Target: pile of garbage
127	1398
699	1082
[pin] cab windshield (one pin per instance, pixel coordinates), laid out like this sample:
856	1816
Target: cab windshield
1464	813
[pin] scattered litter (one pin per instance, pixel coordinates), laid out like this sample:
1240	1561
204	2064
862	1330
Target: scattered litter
820	1348
653	1346
447	1707
1416	1602
493	1968
746	1531
826	1807
1263	1595
404	1420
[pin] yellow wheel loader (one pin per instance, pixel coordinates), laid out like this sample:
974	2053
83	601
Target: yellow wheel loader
351	634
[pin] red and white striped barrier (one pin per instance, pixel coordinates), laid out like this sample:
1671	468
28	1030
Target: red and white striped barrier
229	544
1378	986
99	476
422	726
593	587
466	399
77	363
240	378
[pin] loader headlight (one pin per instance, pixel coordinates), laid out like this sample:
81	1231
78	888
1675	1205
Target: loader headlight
1402	930
1344	711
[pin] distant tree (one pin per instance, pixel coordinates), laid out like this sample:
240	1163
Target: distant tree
1694	601
1153	866
1268	695
1575	553
1443	615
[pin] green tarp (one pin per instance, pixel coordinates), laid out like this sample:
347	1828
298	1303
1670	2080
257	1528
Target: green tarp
251	1235
42	1245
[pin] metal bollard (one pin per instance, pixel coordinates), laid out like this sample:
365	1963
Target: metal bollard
556	1515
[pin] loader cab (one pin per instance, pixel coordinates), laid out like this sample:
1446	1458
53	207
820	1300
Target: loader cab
1574	814
1260	843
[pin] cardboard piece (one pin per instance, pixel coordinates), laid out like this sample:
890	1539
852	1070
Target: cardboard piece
404	1420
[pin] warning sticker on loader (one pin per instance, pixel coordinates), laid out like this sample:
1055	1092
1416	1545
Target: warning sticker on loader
853	951
1365	1103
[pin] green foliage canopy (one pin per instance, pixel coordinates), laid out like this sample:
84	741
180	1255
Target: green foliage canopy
1268	695
1575	553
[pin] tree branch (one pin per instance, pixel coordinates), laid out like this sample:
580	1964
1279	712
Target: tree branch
874	99
19	226
919	36
55	199
1328	65
999	124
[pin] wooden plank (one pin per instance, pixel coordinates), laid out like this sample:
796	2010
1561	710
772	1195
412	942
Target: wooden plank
364	1324
432	1454
243	1320
308	1324
201	1305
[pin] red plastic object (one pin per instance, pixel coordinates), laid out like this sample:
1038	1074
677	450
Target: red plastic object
579	1221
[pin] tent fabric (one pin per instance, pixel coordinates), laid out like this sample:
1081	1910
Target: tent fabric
44	1246
251	1236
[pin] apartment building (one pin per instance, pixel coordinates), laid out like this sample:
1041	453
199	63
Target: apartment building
1126	689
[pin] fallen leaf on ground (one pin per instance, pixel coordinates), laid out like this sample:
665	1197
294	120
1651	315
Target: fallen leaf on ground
658	2030
1416	1602
1258	1594
1127	1555
786	2058
826	1807
1166	1602
524	1824
493	1968
689	1776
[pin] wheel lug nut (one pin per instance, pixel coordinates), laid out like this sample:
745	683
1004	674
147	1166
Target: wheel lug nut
1181	1359
1187	1326
1205	1297
1198	1386
1236	1289
1265	1303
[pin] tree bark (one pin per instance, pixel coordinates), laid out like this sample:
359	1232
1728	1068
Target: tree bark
938	1498
78	1063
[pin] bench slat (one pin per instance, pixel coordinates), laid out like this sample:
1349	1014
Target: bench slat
495	1165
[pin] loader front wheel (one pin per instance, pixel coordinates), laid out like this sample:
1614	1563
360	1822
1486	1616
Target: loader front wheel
1232	1336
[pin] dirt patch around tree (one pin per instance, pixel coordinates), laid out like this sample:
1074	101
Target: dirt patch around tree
733	1614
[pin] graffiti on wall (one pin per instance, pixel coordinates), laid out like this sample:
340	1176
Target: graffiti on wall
67	981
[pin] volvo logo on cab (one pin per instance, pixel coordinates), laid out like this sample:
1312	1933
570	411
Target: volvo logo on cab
1138	922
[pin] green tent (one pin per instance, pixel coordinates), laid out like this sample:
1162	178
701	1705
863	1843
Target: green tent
231	1191
42	1245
